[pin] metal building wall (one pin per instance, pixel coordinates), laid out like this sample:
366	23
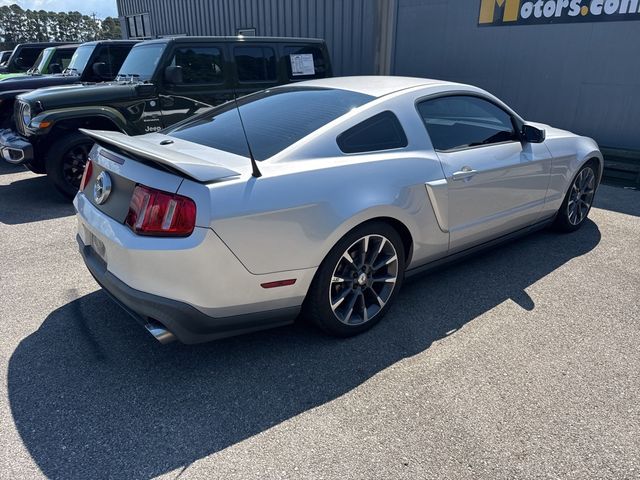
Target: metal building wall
348	26
583	77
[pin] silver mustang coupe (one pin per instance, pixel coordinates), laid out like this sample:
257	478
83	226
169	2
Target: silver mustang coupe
318	198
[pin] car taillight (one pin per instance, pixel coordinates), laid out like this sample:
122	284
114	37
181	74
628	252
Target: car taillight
86	175
163	214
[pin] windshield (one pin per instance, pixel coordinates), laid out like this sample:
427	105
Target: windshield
273	119
41	62
80	59
141	63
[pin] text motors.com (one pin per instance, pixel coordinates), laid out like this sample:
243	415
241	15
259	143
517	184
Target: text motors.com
574	8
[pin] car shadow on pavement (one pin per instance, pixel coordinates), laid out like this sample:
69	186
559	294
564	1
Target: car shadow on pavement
92	395
8	168
30	200
618	199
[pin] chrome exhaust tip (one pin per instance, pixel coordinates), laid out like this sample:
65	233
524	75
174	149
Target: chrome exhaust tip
159	332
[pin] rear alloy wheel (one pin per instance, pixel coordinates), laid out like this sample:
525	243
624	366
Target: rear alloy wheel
66	160
578	201
357	281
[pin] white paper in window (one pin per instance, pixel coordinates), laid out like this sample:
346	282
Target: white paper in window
302	64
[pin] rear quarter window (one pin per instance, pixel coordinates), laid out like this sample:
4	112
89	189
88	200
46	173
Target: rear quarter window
274	119
305	62
380	132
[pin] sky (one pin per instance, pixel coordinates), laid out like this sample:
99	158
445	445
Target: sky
102	8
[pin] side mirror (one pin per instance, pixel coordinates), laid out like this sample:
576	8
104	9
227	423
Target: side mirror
101	70
531	134
55	68
173	75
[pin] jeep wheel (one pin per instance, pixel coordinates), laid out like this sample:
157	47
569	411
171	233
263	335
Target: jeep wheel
35	167
65	162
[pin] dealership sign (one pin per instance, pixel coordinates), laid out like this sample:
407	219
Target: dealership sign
532	12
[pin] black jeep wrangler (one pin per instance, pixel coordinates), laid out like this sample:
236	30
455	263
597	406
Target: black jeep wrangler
90	62
160	83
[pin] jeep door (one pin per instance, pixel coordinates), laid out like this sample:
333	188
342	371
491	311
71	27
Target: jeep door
204	81
141	68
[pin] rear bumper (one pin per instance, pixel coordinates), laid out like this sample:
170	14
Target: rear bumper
186	323
14	148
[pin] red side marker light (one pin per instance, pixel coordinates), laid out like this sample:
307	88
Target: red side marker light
86	175
279	283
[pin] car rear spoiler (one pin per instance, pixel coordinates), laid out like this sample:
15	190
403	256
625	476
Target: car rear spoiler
191	166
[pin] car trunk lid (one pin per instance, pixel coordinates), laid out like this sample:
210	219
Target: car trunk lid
185	158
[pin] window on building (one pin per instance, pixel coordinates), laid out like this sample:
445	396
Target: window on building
139	26
200	65
380	132
463	121
246	32
255	64
304	62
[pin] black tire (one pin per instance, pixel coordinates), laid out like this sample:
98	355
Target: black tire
581	192
324	289
65	162
7	119
38	168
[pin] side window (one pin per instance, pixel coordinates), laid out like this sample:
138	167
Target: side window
255	64
463	121
200	65
62	57
380	132
28	56
117	55
305	62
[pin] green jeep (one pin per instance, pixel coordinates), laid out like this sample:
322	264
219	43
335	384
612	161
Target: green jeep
161	82
23	57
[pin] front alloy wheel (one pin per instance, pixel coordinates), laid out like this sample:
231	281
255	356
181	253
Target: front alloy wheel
578	200
581	196
357	281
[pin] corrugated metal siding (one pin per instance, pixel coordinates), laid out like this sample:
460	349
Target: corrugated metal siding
582	77
348	26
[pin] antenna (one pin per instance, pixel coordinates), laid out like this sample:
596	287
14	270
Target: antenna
255	172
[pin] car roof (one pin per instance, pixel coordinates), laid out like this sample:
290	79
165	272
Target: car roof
239	38
374	85
116	42
42	44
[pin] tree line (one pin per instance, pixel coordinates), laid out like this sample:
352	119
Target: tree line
19	26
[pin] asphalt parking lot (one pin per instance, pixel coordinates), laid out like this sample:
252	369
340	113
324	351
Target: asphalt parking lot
520	363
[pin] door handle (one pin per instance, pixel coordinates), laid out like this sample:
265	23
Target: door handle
464	174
